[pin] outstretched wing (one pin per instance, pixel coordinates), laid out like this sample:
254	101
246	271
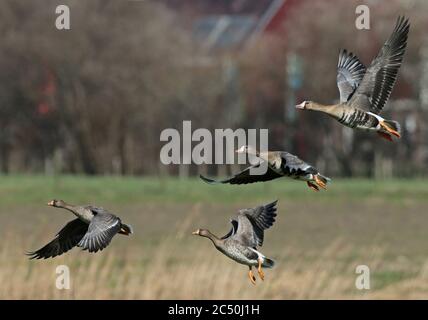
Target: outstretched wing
102	229
245	177
252	223
67	238
262	217
233	230
379	79
350	72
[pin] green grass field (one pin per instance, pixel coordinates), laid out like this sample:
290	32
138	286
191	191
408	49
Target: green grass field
317	241
30	189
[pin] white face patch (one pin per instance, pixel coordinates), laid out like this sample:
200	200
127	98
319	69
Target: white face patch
242	149
302	105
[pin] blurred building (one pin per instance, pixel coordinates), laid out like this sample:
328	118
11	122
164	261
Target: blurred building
231	24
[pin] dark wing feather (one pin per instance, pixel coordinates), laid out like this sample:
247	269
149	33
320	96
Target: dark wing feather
377	84
245	177
245	233
350	72
261	218
232	231
67	238
293	165
102	229
95	210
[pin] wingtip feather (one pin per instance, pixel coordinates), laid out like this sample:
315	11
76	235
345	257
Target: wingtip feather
208	180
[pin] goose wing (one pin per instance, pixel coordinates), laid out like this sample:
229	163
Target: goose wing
68	237
245	176
379	79
350	72
233	230
101	230
293	165
252	223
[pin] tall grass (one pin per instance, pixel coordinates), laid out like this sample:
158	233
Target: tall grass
205	274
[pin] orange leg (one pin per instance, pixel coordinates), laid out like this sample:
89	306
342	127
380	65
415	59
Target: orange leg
389	130
384	135
320	182
312	186
251	276
260	271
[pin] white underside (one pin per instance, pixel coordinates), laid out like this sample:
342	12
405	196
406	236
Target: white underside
260	256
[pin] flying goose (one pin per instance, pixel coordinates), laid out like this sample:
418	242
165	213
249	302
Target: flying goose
364	93
279	164
247	232
92	230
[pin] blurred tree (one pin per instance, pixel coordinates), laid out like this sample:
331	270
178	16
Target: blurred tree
119	77
95	98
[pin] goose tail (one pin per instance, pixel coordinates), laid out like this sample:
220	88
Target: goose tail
126	229
268	263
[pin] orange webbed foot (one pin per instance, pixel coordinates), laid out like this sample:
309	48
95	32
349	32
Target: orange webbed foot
389	130
260	271
313	186
319	182
385	136
251	277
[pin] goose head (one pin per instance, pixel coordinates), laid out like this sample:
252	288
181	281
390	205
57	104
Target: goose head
201	232
247	149
56	203
305	105
207	234
314	106
204	233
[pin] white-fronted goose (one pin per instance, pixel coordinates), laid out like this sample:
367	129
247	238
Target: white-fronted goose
247	232
363	94
279	164
92	230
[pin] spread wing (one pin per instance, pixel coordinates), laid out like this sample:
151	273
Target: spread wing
379	79
68	237
245	177
101	230
293	165
350	72
233	230
252	223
